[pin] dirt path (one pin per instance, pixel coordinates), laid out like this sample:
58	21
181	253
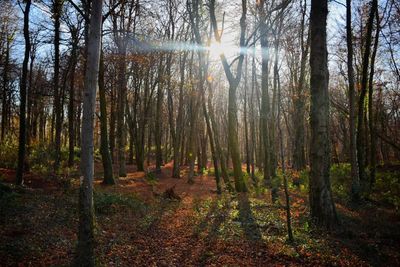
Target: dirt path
177	238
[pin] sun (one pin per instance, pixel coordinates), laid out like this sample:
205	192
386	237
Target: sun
218	48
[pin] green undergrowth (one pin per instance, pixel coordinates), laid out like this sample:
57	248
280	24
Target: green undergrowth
248	217
144	214
109	203
387	188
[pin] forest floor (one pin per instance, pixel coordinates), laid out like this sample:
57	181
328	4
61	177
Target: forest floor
137	225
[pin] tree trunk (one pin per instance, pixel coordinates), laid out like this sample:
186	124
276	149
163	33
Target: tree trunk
121	134
240	184
179	120
219	152
192	140
104	147
364	80
299	159
265	101
246	130
71	104
321	203
112	124
355	179
371	116
57	9
285	182
22	109
5	104
85	247
158	128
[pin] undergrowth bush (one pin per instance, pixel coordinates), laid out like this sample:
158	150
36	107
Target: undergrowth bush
9	153
109	203
387	188
341	180
41	157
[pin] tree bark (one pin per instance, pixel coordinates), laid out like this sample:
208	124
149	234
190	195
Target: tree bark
85	247
355	179
179	120
104	147
57	9
121	134
371	116
299	159
71	104
22	109
360	139
265	101
5	103
158	127
321	203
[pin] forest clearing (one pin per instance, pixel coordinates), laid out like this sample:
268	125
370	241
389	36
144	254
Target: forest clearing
199	133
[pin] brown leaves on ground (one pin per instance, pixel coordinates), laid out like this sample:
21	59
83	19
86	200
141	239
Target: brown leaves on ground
156	220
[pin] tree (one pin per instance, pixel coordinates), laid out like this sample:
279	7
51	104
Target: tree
321	203
104	147
85	247
58	109
233	81
74	31
360	138
265	99
371	115
22	108
179	120
299	101
355	187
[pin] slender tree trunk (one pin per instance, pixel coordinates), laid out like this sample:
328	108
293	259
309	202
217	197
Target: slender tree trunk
121	136
85	247
355	181
252	122
360	139
265	101
29	110
71	106
22	109
158	127
240	184
245	115
112	125
321	203
273	156
371	116
170	100
4	109
219	152
57	9
299	159
192	140
104	148
212	146
179	120
285	182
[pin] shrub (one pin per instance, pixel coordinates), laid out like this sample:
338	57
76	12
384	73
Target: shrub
109	203
387	188
341	180
9	153
41	157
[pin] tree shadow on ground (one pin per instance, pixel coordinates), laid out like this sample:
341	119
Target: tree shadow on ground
247	220
216	216
369	233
